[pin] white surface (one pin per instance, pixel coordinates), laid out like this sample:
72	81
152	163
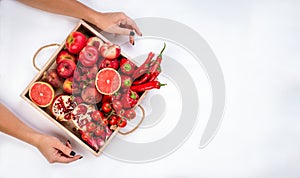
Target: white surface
257	45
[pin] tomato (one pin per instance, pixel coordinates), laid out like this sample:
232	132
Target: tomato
122	122
106	107
97	115
130	114
85	136
75	42
117	105
90	126
116	96
104	121
121	112
113	120
92	142
99	132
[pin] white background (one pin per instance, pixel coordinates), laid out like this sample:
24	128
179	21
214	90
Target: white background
257	45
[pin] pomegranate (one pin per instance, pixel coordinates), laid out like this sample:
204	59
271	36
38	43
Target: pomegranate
82	115
62	107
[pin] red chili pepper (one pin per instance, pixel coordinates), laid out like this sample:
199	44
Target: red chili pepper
144	67
157	62
153	71
144	78
147	86
153	77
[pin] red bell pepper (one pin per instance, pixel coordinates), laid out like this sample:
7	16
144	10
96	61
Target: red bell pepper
130	99
127	67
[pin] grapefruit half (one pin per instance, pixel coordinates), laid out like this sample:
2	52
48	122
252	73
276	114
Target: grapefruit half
108	81
41	93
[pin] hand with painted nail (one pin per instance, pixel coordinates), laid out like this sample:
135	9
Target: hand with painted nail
51	147
115	22
112	22
55	151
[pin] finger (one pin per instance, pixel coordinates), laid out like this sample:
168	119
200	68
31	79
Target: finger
64	159
68	144
119	30
64	149
133	26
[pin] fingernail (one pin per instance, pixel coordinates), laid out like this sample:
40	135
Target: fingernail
72	153
69	141
80	157
131	33
141	34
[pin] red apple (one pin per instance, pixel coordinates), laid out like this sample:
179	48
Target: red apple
110	51
95	41
109	63
88	56
63	55
66	68
67	86
75	42
52	77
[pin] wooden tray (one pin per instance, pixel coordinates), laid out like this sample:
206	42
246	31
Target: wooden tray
68	127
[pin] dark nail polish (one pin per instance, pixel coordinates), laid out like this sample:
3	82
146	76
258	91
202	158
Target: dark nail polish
69	142
72	153
80	157
131	33
132	43
141	34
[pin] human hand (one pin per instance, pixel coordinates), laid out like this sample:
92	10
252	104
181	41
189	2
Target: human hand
55	151
115	22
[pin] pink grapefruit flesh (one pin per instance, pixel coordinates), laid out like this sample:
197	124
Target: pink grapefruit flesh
108	81
41	93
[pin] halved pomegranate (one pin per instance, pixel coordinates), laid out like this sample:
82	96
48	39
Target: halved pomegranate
62	107
82	115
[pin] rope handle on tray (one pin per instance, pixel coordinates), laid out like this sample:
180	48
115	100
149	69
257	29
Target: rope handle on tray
38	51
137	126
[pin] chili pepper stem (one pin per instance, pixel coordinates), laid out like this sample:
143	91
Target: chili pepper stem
160	54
